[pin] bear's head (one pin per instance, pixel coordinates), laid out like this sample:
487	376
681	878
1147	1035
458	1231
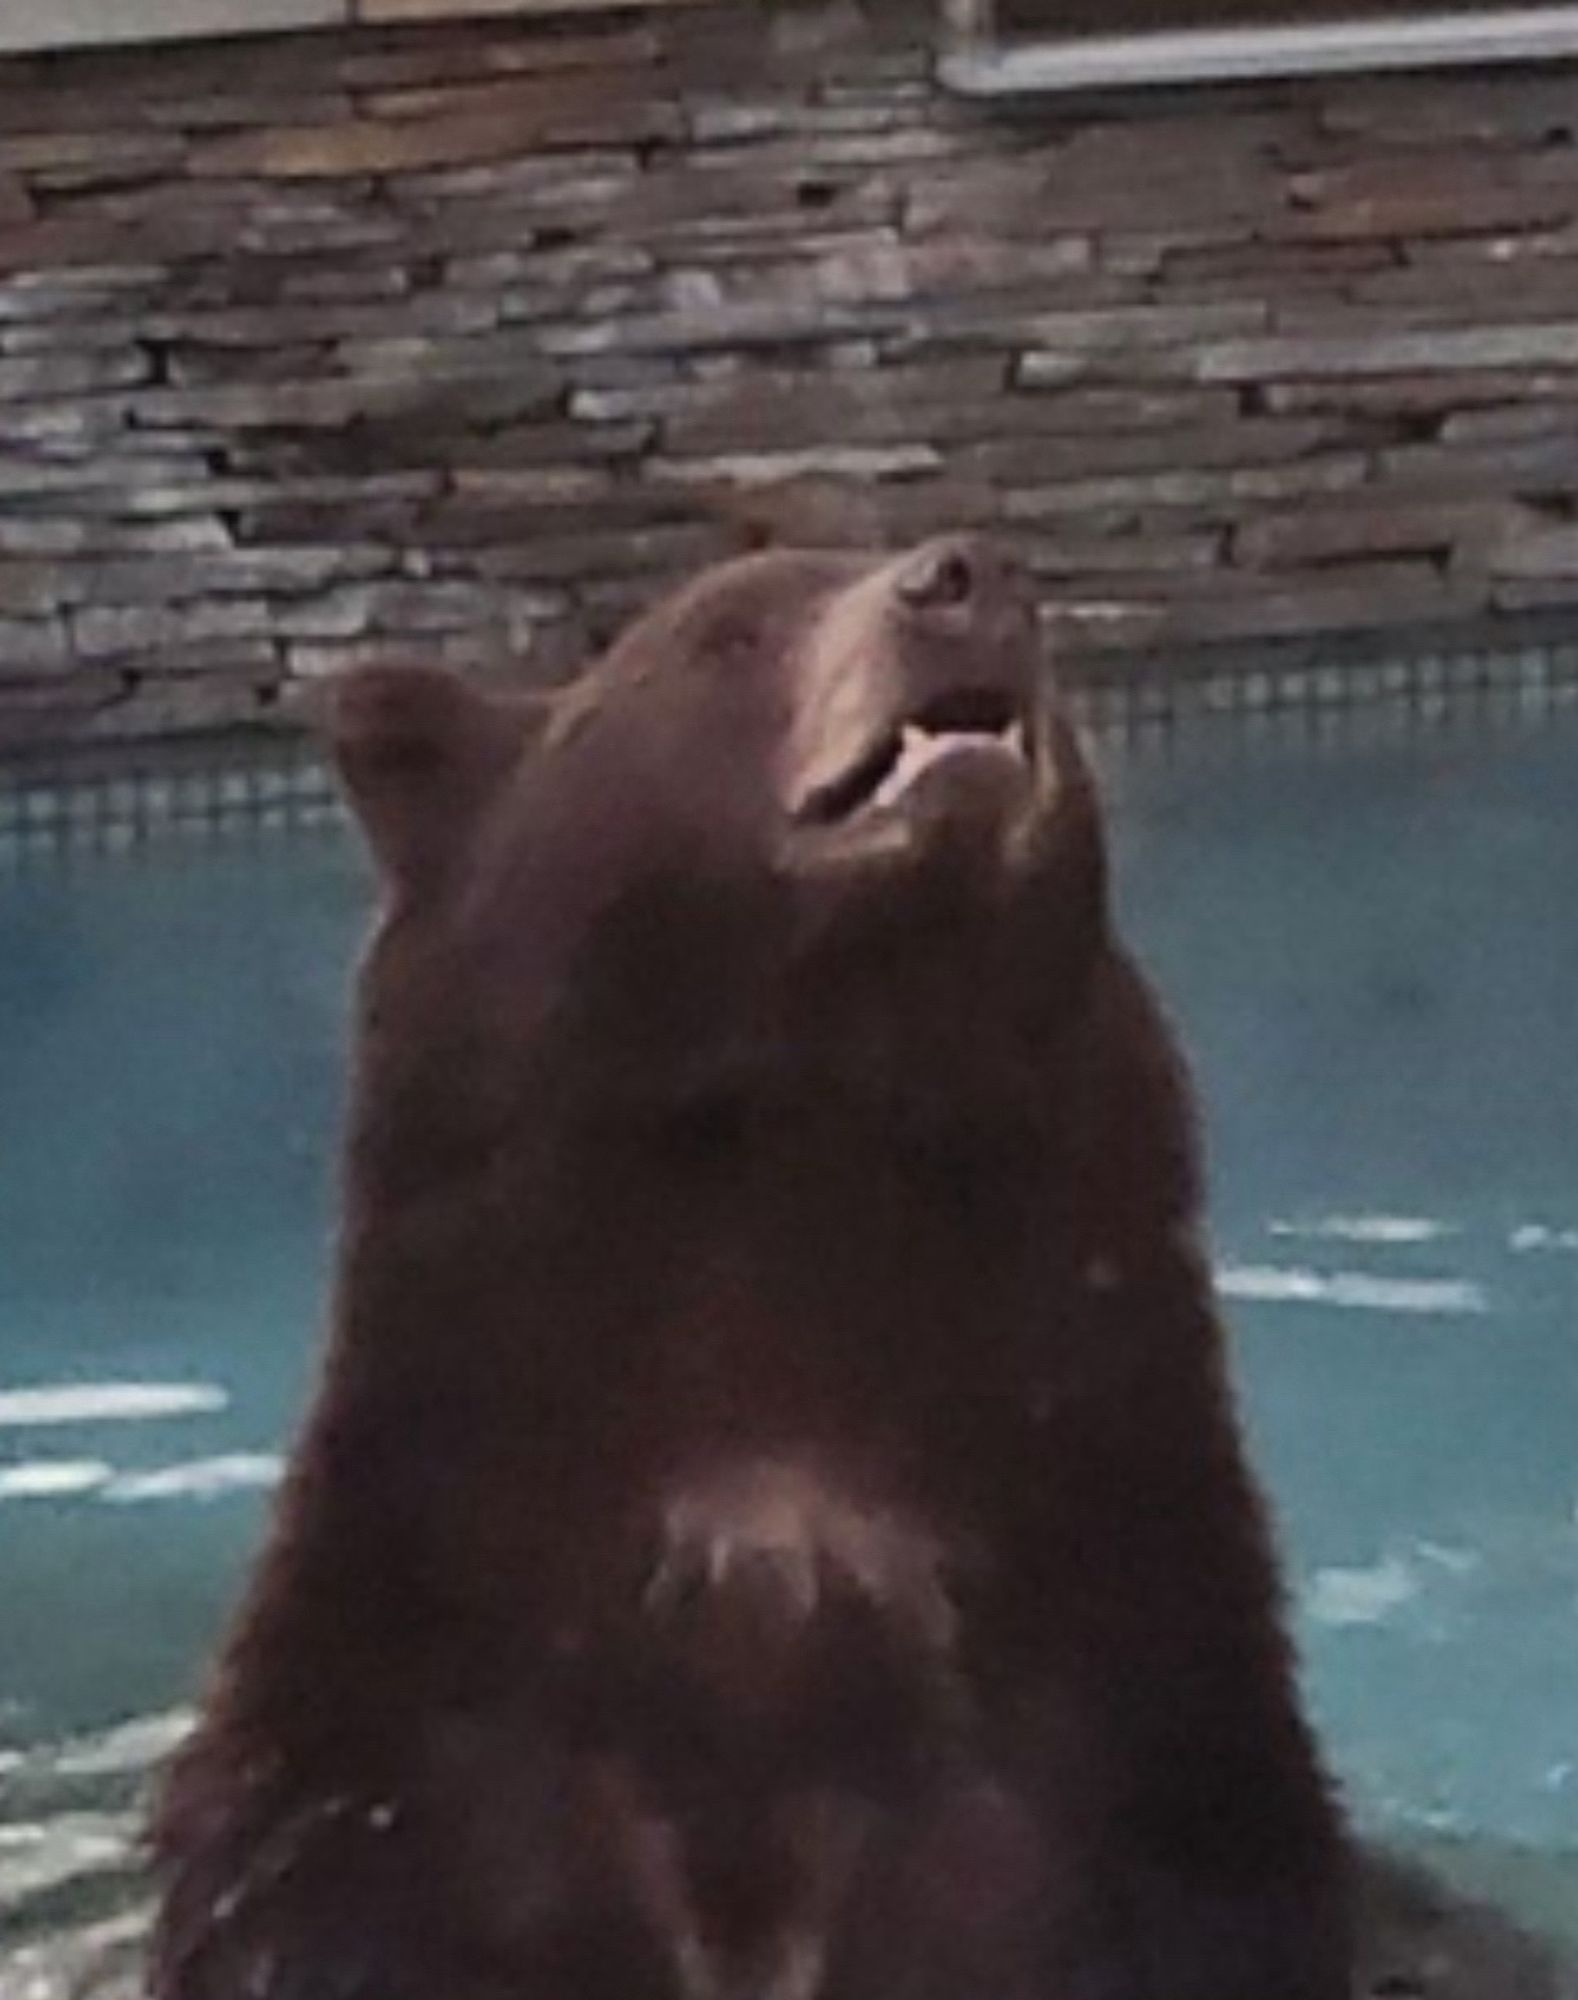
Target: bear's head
813	803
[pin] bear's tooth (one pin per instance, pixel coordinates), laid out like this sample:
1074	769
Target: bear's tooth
914	748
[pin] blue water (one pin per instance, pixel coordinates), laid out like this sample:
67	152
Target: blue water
169	1070
1373	954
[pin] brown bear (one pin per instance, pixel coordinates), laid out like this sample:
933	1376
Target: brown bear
772	1525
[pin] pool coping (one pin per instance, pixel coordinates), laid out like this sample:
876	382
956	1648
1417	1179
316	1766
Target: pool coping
106	794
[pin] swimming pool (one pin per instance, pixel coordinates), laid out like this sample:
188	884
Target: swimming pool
1372	948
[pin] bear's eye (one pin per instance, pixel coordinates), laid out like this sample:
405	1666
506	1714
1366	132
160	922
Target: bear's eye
737	639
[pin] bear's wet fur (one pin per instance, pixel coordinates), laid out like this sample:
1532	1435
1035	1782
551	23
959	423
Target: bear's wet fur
772	1524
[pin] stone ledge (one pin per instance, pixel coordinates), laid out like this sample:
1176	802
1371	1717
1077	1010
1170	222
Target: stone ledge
454	10
30	26
55	24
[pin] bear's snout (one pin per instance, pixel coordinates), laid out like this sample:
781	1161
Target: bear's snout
932	658
961	615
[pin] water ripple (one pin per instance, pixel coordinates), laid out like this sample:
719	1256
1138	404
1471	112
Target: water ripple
107	1402
1277	1284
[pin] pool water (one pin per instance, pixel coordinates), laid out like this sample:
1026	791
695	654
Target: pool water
1373	954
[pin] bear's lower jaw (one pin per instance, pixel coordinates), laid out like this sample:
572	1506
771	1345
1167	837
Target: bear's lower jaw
963	787
923	790
922	752
878	774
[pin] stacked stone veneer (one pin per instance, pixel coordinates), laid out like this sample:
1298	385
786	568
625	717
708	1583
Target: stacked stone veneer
459	341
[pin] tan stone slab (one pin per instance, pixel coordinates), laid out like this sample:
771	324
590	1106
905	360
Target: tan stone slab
452	10
50	24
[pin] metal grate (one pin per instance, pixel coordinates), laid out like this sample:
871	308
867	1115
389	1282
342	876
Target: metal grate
1419	678
109	798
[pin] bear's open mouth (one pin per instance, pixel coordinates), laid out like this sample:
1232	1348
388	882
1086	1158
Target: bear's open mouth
973	719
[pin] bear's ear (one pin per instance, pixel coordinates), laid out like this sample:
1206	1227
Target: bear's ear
421	752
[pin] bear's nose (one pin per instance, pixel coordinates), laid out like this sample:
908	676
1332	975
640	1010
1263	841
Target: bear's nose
940	576
961	573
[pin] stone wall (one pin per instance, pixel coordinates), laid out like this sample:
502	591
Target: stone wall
459	341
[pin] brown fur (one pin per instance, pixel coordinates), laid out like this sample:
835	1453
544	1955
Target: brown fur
772	1525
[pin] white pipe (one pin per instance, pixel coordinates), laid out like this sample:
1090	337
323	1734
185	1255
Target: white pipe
1215	55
